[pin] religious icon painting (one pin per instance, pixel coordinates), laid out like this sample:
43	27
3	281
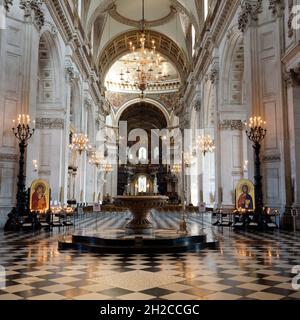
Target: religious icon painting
245	195
39	196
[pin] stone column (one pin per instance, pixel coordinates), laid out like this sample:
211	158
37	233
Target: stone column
247	23
215	80
33	22
293	99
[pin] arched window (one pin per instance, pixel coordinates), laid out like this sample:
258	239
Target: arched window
142	184
206	7
142	154
193	39
156	153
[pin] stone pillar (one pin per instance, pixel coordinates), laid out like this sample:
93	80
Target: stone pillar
33	22
247	23
293	99
70	76
215	80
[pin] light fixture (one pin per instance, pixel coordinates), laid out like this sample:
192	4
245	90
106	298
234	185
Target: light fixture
80	143
206	144
95	159
176	168
147	62
107	167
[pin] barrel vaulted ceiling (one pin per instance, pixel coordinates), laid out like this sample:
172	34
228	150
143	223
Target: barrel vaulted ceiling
110	18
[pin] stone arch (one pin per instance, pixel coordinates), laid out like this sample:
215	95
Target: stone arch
49	71
119	46
120	111
232	75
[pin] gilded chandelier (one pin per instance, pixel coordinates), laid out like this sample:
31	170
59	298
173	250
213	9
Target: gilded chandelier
80	143
147	63
206	144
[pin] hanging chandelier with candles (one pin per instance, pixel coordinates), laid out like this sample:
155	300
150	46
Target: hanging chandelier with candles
206	144
142	66
80	143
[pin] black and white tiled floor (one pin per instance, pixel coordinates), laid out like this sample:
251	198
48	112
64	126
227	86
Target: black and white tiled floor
245	266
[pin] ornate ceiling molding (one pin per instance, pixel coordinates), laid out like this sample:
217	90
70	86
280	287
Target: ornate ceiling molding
137	23
119	46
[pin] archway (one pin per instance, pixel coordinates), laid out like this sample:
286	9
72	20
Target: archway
145	116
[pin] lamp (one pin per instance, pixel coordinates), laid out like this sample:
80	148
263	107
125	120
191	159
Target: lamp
23	131
256	133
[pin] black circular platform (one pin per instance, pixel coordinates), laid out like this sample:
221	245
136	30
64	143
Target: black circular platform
118	241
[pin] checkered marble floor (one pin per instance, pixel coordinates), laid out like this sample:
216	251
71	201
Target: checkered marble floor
245	266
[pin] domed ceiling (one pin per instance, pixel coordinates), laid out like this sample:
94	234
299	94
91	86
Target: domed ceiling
112	22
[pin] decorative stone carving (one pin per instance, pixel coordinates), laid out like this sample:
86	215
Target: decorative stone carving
71	73
50	123
9	157
250	11
7	4
51	28
292	77
272	158
276	6
87	102
232	125
214	75
34	8
290	21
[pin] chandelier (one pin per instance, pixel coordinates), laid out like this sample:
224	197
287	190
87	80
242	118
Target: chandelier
95	159
206	144
107	167
147	64
80	143
176	168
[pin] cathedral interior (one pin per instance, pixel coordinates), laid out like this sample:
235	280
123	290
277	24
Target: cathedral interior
160	136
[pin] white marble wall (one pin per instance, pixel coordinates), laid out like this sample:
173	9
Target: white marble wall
43	93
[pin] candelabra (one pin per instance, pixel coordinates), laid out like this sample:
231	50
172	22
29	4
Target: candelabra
256	134
206	144
23	132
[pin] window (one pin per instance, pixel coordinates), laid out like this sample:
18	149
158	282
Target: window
142	154
142	184
193	39
205	9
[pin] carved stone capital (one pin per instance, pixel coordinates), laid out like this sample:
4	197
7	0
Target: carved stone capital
8	4
277	7
292	77
232	125
33	8
50	123
249	13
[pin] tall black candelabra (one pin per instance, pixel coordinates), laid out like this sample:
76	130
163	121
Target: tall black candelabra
23	132
256	134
